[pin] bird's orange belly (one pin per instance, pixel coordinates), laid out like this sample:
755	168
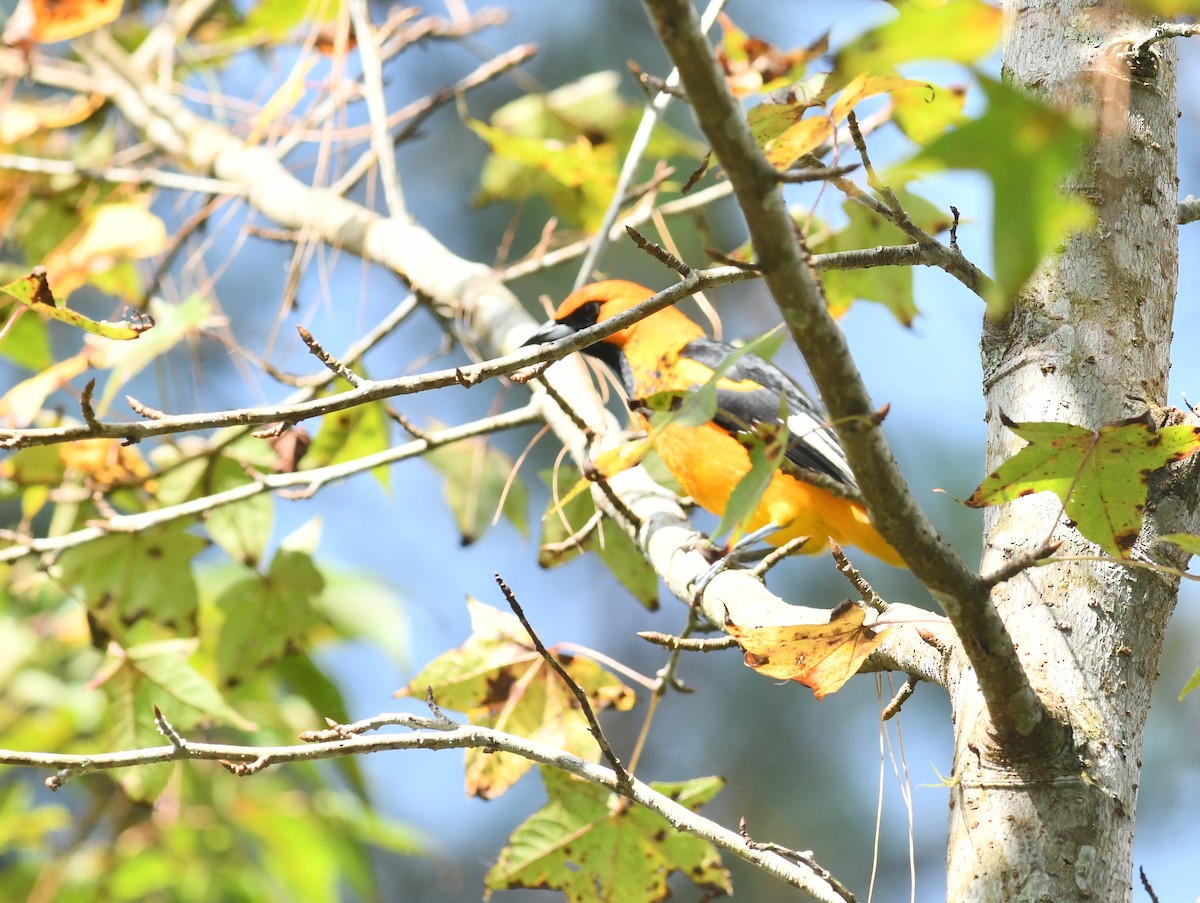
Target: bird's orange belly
709	463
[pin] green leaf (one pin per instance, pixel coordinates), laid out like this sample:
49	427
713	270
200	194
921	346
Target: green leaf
127	577
351	434
164	664
34	292
1189	542
478	477
622	556
923	113
566	146
266	614
619	553
589	849
1101	476
578	178
131	719
960	31
1027	149
767	447
27	342
137	679
500	680
891	286
1192	684
302	677
271	21
242	528
362	606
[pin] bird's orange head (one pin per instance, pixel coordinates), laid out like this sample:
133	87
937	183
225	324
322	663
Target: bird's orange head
601	301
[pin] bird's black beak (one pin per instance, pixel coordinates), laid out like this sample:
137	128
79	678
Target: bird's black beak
549	331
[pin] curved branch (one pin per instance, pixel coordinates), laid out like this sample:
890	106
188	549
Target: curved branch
1017	712
471	296
435	733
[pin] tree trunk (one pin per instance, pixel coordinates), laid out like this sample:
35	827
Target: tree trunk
1087	344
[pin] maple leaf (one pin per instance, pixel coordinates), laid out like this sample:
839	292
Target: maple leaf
589	849
500	680
821	656
752	65
1101	476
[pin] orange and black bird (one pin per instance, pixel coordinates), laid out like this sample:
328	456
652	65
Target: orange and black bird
667	352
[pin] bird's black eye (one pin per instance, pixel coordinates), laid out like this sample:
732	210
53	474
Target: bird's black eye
583	316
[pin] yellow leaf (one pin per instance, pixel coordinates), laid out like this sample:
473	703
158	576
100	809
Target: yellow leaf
802	138
109	234
24	401
20	120
289	94
106	461
863	86
820	656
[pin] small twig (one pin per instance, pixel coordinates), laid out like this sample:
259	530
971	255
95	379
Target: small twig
892	709
617	502
164	727
954	228
120	175
85	405
443	722
535	372
312	479
142	410
372	78
1189	210
338	731
328	359
777	555
1146	885
804	858
850	572
653	85
816	173
860	145
373	390
272	430
1021	562
576	539
623	781
658	252
932	639
654	111
687	644
417	112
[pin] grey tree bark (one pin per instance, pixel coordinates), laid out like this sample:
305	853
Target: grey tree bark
1088	344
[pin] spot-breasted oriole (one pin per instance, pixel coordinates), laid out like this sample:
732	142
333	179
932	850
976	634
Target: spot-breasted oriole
668	352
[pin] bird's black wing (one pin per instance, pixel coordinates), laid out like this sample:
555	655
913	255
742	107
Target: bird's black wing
753	391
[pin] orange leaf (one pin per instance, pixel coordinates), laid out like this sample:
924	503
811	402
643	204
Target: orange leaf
820	656
752	65
106	461
47	21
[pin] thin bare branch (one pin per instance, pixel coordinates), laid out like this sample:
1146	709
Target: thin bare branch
577	691
372	68
633	157
349	741
309	480
159	178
